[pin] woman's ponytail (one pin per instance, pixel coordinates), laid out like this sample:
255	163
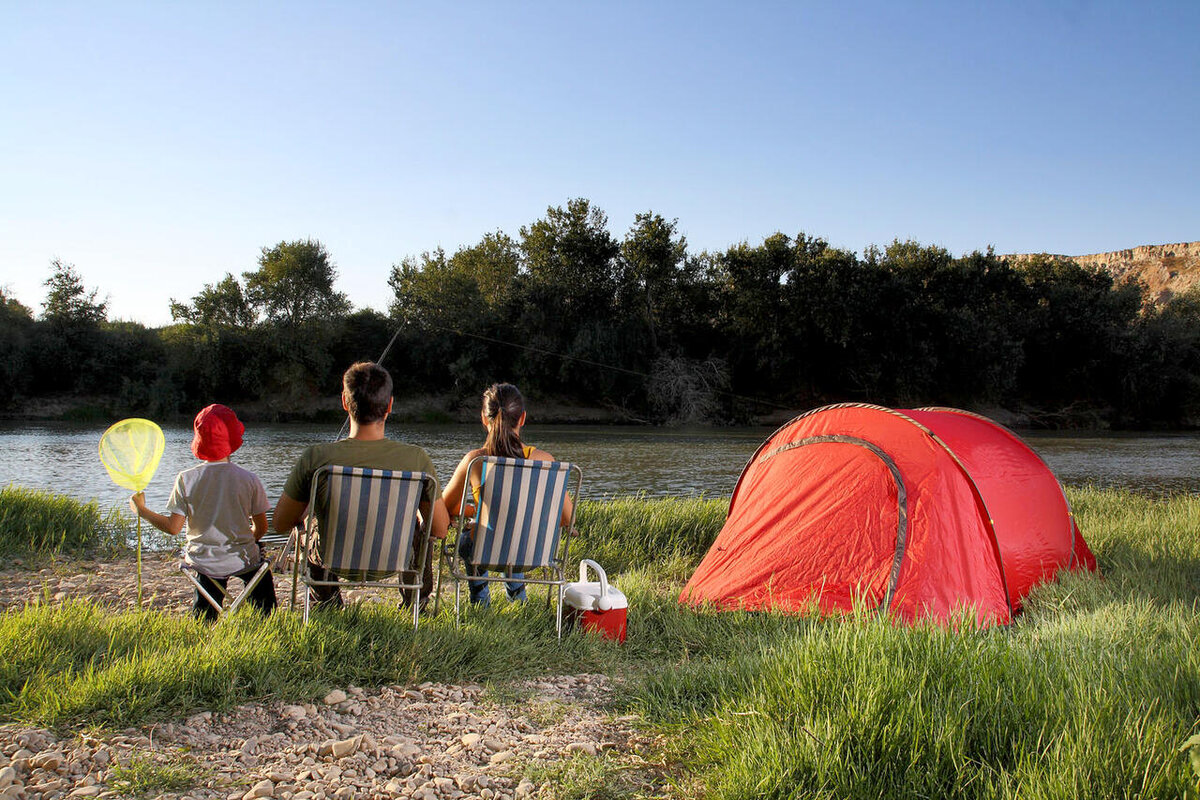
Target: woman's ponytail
503	407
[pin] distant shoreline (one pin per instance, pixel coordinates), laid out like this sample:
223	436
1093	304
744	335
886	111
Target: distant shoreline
423	409
446	410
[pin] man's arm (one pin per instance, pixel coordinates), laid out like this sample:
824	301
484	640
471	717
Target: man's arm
440	523
441	519
288	513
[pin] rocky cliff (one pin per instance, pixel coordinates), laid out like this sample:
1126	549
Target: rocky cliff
1165	269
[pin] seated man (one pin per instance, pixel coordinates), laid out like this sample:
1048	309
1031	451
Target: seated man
367	397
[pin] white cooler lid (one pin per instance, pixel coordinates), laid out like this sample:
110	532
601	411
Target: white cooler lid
584	595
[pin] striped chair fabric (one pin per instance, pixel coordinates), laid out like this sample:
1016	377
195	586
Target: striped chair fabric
520	504
368	519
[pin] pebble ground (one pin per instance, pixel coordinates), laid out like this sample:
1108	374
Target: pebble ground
426	742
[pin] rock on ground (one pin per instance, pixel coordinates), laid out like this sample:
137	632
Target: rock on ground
384	743
433	741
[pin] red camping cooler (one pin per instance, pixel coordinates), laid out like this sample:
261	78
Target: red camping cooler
595	605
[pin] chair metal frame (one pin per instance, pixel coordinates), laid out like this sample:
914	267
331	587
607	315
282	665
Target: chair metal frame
267	564
525	482
410	530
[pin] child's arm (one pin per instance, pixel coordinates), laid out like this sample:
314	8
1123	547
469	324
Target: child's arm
259	524
172	524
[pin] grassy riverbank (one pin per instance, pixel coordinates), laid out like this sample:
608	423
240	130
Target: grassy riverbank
1089	694
42	524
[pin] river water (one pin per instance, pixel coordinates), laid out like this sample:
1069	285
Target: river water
62	457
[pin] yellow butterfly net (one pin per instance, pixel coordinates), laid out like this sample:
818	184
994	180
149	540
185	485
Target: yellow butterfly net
130	450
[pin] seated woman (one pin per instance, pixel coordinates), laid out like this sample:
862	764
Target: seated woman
503	416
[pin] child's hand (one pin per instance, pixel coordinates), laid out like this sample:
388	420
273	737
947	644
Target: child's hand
137	503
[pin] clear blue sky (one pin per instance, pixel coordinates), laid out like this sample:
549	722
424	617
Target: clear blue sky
158	145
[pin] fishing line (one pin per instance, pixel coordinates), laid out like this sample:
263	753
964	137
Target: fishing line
598	364
554	354
382	356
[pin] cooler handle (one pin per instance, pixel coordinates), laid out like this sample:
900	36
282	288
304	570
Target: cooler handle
603	602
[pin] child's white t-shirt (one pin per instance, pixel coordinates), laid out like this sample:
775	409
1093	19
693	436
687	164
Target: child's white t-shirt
218	498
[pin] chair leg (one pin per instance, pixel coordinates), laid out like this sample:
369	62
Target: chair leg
204	592
249	587
307	601
279	563
296	574
457	603
437	590
558	614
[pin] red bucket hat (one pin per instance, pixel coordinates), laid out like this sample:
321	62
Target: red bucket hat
218	433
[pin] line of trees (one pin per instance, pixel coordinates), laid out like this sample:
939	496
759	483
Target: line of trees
641	325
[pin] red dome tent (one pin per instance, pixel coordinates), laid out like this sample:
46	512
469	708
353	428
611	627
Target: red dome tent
917	513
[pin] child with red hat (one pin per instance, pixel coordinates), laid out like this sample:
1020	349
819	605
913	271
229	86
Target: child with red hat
225	507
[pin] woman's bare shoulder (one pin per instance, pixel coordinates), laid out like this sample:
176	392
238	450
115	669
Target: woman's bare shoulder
478	451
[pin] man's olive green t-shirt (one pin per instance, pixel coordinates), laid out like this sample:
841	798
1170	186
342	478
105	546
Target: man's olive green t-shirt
375	453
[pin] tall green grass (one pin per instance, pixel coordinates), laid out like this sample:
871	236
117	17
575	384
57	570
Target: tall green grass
78	664
628	532
859	708
1089	694
34	522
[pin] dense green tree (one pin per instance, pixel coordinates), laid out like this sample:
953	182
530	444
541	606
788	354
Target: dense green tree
438	304
561	308
493	264
16	320
762	337
653	255
570	258
207	364
639	325
435	293
363	336
294	284
840	347
67	301
963	324
211	354
67	349
1160	384
221	304
13	309
1078	335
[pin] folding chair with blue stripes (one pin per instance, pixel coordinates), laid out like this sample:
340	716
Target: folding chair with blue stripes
363	526
517	525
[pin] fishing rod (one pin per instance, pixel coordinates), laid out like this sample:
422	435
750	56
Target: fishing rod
382	356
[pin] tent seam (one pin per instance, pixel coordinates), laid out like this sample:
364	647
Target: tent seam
885	605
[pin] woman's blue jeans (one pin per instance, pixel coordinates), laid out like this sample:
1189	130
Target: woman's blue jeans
479	590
